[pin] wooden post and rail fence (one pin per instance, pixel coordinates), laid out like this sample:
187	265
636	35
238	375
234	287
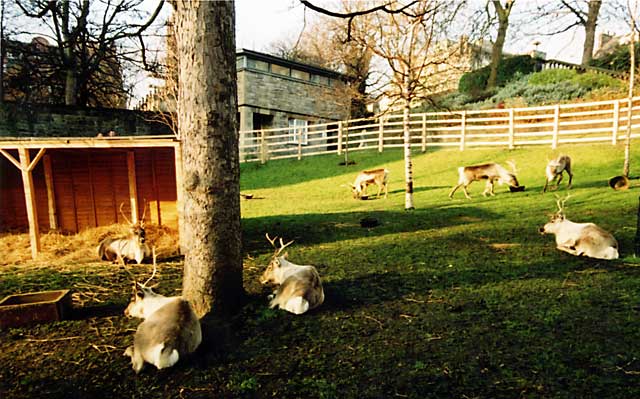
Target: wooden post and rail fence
551	125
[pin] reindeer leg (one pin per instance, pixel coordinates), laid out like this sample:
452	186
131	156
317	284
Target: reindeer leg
546	183
559	180
454	190
466	193
488	188
570	179
379	190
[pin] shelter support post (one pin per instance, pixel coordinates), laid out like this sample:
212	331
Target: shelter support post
30	200
133	187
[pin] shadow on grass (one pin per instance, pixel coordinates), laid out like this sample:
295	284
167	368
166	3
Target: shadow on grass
321	228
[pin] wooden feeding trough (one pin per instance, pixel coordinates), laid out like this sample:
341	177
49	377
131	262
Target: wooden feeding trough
34	307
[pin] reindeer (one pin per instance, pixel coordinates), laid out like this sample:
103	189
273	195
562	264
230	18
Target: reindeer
554	170
579	239
369	177
170	329
299	287
133	247
490	171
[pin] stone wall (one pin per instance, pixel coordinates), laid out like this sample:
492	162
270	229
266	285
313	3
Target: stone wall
296	97
35	120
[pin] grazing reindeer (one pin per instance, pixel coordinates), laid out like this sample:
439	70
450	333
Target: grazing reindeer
133	247
490	171
369	177
579	239
170	329
299	287
554	170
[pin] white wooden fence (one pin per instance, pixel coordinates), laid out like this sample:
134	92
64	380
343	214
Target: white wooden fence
602	121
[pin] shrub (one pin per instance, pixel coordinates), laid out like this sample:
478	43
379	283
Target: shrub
551	76
592	80
509	68
617	60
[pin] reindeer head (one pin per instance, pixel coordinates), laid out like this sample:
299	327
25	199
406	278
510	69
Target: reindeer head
556	220
272	273
136	229
511	178
141	293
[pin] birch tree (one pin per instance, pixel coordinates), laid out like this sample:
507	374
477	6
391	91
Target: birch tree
207	107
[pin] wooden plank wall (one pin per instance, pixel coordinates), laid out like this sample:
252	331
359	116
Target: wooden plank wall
89	187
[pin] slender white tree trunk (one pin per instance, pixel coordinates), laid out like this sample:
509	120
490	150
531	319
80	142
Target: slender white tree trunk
632	68
406	128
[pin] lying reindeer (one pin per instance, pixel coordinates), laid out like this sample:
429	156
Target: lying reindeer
367	178
170	329
554	170
299	287
131	248
579	239
490	171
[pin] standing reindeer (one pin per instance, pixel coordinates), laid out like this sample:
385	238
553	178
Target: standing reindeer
132	247
367	178
554	170
299	287
489	171
170	329
580	239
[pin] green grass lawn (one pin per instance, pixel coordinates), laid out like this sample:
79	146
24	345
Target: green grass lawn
455	299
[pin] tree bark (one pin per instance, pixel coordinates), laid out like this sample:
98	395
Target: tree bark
207	108
496	51
590	31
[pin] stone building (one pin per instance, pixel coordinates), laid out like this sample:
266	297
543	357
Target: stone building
274	92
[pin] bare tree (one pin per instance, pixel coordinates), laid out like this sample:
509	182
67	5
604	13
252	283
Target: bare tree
561	16
403	36
207	107
92	39
502	13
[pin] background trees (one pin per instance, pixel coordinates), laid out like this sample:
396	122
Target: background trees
90	43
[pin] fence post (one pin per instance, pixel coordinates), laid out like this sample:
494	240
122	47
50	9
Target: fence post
556	126
263	147
616	122
511	129
340	138
381	135
299	143
424	132
463	128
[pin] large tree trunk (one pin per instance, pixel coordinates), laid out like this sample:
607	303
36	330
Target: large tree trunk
496	51
207	108
590	31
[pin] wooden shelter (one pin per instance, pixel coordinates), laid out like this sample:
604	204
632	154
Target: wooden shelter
72	183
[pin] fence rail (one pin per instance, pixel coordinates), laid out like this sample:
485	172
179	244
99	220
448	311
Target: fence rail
602	121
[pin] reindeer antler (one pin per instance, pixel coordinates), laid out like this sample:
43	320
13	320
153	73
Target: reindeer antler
123	215
144	211
512	163
282	244
153	255
560	202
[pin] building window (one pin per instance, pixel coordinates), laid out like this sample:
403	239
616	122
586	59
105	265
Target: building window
298	128
257	64
299	74
280	70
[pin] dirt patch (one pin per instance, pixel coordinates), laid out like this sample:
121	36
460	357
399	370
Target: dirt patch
504	246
